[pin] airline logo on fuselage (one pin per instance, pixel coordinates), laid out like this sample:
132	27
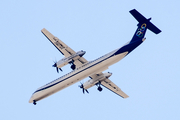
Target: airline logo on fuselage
141	30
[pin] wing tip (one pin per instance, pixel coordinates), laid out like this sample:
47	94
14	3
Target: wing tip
126	97
44	29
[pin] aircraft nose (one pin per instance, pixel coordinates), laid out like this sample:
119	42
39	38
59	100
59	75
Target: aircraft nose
31	99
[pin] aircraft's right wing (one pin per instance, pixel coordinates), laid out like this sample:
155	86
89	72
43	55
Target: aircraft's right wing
114	88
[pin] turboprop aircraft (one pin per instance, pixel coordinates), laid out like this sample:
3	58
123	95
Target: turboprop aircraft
81	68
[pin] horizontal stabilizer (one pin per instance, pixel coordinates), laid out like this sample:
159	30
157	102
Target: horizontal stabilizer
138	16
141	19
153	28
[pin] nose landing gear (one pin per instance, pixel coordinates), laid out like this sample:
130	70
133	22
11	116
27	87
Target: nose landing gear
34	102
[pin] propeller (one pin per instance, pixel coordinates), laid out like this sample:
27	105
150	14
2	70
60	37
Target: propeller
81	86
57	69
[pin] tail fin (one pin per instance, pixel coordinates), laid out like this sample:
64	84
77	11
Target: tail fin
141	19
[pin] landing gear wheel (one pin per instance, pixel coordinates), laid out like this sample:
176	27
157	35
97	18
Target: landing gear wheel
34	102
100	89
73	66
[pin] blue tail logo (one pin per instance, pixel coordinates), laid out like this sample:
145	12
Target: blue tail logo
140	32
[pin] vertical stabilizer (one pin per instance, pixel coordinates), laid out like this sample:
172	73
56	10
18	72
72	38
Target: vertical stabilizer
143	25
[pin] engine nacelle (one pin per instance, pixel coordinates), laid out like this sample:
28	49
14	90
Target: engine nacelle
94	81
70	59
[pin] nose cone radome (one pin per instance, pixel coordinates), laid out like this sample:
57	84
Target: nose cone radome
31	99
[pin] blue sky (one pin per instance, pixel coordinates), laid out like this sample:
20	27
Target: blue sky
149	75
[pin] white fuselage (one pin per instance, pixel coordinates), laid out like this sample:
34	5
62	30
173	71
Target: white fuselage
95	66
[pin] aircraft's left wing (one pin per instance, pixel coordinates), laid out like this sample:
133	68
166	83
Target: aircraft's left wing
62	47
114	88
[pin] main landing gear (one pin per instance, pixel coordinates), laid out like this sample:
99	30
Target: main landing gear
34	102
73	66
99	87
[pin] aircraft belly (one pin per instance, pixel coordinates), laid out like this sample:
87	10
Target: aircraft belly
49	91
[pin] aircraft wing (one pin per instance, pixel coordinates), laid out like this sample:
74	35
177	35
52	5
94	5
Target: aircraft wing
62	47
114	88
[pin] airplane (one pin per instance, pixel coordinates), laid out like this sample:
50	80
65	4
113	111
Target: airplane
81	68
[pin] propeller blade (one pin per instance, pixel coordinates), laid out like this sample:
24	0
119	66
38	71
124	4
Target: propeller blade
60	69
87	91
83	90
81	86
57	69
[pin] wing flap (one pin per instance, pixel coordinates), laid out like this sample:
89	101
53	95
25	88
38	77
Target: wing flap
114	88
80	61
